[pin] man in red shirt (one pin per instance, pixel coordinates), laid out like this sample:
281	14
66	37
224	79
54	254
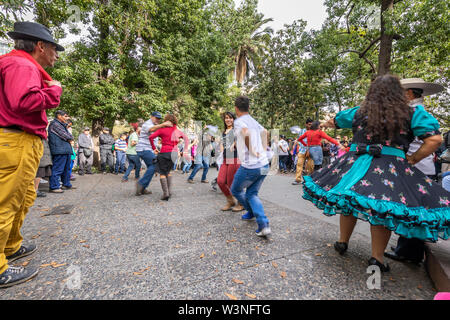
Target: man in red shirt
26	91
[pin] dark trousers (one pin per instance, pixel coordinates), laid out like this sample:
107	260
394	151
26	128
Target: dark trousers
412	249
60	171
106	158
133	162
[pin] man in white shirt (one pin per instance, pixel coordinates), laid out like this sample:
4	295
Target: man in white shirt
251	145
145	152
283	153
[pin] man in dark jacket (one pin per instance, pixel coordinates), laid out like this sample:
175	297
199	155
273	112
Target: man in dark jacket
59	139
106	154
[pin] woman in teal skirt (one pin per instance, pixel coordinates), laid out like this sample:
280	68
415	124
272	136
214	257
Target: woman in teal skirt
376	181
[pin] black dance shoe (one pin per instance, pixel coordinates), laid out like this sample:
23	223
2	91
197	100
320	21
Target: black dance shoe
375	262
340	247
396	257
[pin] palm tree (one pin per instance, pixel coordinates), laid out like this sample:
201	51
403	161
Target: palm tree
246	56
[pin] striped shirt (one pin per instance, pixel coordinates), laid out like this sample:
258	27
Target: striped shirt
120	144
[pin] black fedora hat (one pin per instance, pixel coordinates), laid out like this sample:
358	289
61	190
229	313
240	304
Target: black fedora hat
33	31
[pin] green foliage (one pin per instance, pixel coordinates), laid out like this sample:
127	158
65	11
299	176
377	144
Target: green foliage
193	58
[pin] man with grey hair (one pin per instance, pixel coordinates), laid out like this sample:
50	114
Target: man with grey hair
85	152
26	92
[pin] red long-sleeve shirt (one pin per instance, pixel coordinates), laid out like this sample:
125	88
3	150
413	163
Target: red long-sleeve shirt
23	96
314	137
170	136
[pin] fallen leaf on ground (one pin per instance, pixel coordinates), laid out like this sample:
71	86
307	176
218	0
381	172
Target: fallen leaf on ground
55	265
83	241
232	240
240	262
45	265
202	256
137	273
257	248
283	274
274	264
214	252
177	246
25	263
318	254
288	231
329	244
230	296
86	246
234	229
209	233
238	281
263	254
250	295
419	286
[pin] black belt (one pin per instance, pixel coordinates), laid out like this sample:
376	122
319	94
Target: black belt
13	128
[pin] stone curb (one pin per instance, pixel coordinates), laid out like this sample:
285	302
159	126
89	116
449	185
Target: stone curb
437	264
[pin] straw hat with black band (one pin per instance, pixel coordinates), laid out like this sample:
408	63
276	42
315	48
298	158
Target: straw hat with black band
428	88
33	31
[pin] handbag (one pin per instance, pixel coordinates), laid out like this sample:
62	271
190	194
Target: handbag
87	152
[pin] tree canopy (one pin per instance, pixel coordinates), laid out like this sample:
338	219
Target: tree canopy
192	58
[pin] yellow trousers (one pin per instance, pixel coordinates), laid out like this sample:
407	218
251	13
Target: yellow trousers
20	154
299	169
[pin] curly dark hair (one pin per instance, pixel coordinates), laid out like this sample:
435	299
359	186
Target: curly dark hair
171	118
386	108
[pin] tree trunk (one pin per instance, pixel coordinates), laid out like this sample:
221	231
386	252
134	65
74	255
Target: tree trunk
97	127
384	58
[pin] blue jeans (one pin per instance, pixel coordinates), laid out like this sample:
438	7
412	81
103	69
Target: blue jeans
147	156
120	161
60	171
72	163
199	163
175	164
251	180
316	154
283	160
134	162
186	167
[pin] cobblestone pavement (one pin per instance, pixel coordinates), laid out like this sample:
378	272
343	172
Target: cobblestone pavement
114	245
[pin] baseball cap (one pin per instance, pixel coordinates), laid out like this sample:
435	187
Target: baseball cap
156	114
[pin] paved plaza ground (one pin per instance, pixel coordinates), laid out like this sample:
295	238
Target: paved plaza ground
114	245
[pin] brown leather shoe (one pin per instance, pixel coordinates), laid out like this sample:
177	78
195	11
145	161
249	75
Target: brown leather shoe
56	191
145	191
237	208
230	204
